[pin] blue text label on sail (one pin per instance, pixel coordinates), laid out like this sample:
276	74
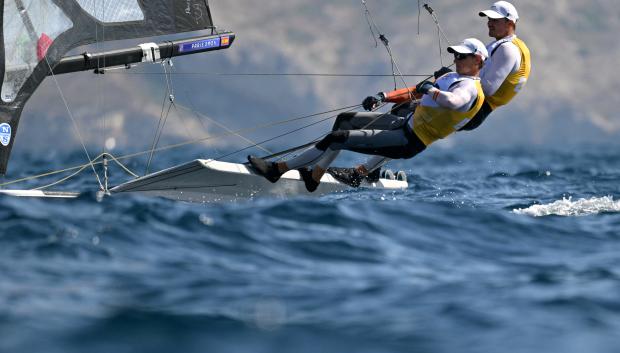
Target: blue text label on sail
200	45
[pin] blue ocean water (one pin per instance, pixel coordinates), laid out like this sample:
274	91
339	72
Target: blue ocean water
489	250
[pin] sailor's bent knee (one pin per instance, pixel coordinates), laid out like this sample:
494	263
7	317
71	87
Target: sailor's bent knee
339	136
341	118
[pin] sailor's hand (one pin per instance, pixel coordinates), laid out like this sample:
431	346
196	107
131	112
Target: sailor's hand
371	102
442	71
424	86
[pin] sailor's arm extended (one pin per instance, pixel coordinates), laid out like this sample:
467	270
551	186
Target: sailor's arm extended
405	94
400	95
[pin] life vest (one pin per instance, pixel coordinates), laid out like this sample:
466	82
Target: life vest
433	122
515	81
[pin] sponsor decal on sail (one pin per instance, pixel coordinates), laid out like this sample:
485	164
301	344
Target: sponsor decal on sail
5	134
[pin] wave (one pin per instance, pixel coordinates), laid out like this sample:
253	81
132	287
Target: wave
568	207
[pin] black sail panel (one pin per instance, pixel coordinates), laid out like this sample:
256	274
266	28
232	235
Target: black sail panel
36	34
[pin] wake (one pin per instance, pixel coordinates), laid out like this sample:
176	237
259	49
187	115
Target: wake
568	207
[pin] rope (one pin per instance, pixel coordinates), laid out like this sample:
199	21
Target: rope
440	31
127	170
162	118
286	152
75	124
198	115
62	180
251	129
274	138
173	146
261	74
282	135
436	20
81	169
102	93
395	69
419	14
372	25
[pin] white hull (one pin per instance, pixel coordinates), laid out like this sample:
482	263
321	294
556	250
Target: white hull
210	181
40	193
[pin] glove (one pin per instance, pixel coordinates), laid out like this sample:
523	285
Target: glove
424	86
371	101
442	71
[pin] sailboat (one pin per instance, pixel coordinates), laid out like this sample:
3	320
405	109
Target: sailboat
37	34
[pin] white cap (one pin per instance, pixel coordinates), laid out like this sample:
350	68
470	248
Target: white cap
470	46
501	9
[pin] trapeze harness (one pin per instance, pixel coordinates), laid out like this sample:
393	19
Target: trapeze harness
432	122
509	88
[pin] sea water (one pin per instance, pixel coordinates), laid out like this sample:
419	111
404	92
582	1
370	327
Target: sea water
488	250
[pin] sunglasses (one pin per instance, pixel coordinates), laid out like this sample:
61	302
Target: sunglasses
459	56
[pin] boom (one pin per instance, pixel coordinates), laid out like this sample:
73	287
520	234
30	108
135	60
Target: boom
144	53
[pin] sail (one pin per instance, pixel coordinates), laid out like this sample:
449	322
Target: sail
36	34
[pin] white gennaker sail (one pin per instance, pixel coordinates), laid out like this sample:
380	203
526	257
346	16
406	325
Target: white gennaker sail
36	35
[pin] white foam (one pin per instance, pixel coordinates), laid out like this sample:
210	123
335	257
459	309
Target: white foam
568	207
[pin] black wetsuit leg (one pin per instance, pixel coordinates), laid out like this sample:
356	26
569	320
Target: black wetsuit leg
367	120
395	144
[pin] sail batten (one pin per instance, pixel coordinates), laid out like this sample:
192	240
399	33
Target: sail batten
36	34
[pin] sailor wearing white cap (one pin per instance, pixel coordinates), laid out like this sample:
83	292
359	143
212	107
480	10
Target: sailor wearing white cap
470	46
508	67
448	104
501	9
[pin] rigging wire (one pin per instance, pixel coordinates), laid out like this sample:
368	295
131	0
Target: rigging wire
101	156
188	130
436	20
419	14
100	92
373	26
439	47
65	178
168	96
31	32
395	69
75	124
440	31
246	130
267	74
276	137
198	115
287	152
178	145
